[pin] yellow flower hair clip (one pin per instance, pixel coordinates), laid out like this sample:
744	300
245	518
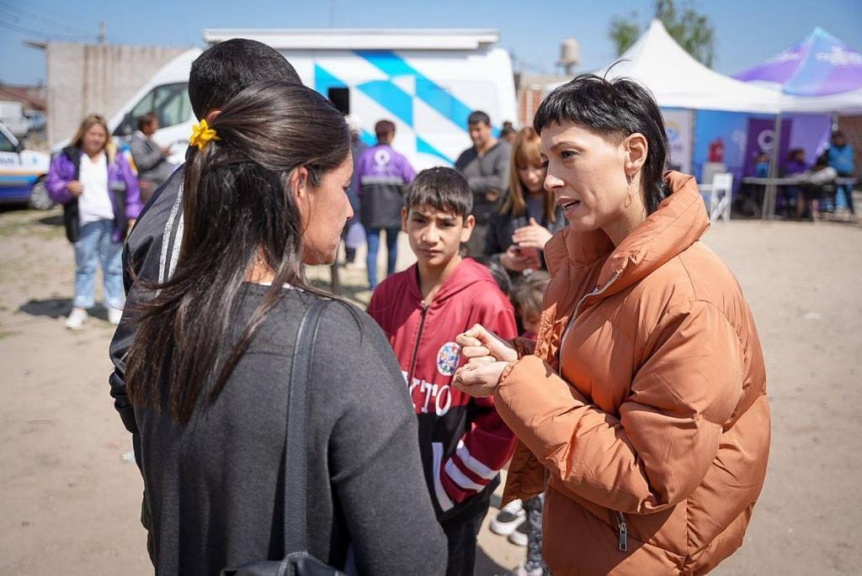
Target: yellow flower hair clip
202	134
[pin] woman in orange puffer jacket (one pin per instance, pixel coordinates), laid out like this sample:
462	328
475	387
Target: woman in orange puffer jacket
643	404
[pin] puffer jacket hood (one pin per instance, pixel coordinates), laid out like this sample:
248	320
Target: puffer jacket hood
643	411
680	222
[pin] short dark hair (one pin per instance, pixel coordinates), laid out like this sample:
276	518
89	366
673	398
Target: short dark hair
478	117
443	189
230	66
384	128
614	109
145	119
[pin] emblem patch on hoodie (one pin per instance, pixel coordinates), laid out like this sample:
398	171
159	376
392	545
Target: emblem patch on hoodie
448	358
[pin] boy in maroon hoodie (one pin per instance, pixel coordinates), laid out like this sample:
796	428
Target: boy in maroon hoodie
463	442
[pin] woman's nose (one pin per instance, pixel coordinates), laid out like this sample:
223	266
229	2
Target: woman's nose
552	182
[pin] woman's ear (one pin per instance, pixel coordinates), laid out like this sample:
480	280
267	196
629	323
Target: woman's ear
299	183
636	148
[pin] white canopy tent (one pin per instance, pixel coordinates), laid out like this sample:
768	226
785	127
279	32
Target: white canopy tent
843	103
677	80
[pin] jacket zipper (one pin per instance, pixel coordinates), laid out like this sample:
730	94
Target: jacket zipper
597	292
416	346
622	527
623	531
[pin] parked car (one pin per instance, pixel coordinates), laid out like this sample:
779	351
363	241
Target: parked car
22	173
37	120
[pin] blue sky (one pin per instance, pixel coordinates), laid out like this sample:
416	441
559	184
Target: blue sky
748	31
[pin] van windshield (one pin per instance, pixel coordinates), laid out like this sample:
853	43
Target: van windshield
170	102
6	145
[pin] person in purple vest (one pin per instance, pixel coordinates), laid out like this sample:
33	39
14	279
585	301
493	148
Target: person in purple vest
382	174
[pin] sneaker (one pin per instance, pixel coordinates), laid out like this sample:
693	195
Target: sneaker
519	536
76	319
114	315
508	518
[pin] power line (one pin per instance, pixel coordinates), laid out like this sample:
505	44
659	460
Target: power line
49	35
41	18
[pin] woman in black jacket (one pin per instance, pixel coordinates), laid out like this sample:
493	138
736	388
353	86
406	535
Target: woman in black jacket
208	374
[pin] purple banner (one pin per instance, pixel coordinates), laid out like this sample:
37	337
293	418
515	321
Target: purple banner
761	139
811	133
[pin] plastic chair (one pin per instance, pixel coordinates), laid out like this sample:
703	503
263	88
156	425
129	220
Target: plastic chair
720	195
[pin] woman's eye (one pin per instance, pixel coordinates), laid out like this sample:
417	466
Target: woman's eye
566	154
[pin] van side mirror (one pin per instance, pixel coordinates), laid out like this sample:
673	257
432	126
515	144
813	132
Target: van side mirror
126	127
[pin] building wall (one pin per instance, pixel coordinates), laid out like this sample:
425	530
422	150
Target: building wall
531	90
95	78
529	99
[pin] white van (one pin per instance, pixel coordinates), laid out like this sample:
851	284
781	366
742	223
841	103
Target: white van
425	81
13	117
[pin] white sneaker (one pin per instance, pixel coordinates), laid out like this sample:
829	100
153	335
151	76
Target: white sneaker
509	517
76	319
114	315
519	536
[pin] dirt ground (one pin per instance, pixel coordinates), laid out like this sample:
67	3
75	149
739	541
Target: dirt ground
71	494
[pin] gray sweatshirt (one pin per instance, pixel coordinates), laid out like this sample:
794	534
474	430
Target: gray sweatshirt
215	484
485	174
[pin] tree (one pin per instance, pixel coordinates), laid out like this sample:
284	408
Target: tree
624	32
692	30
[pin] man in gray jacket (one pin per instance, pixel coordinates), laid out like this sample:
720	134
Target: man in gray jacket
485	165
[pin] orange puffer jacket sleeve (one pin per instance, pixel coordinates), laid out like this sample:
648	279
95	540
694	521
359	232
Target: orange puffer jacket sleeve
660	447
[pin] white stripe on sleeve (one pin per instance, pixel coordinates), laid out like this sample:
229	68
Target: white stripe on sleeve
460	478
472	464
442	498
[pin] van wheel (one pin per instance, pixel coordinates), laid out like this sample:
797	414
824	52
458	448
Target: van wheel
39	199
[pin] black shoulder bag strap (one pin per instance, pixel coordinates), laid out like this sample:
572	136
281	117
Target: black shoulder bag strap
296	445
297	560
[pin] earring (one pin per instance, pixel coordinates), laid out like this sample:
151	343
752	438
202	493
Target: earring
628	201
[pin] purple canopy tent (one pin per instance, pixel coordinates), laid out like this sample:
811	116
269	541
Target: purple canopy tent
810	73
820	64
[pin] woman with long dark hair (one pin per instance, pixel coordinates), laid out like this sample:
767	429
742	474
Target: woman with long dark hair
208	374
643	402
